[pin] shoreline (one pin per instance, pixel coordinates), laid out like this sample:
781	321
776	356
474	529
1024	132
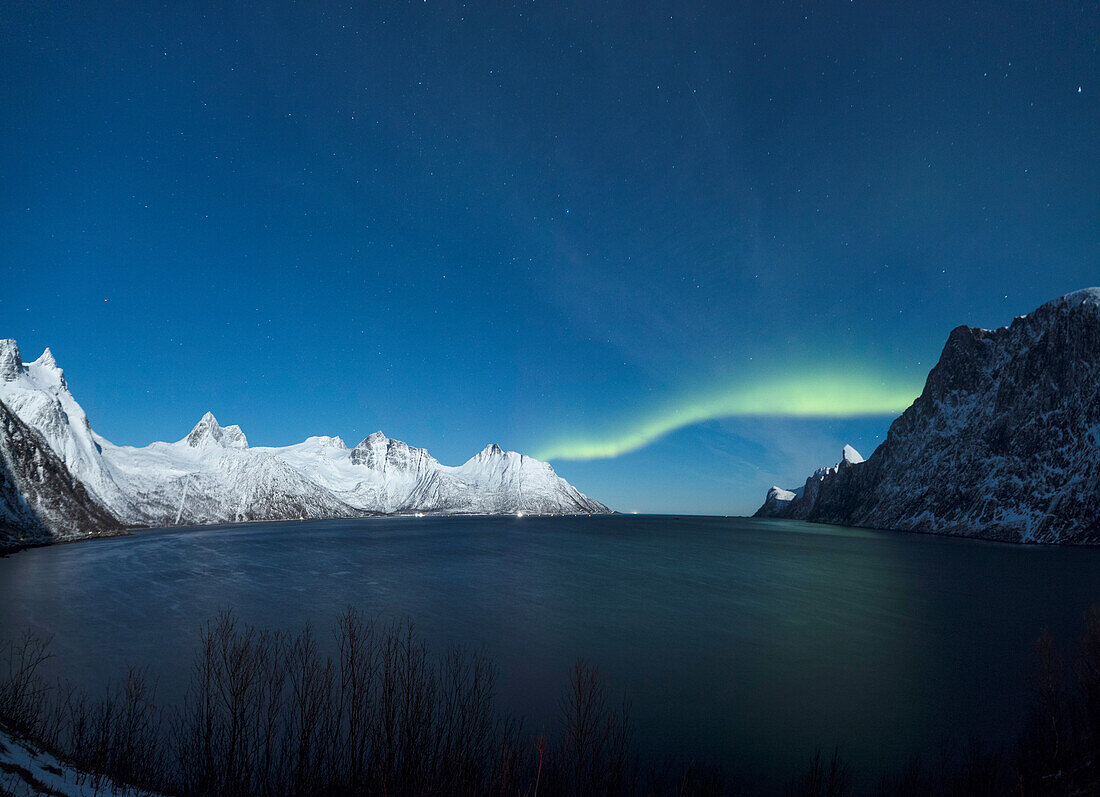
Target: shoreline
130	530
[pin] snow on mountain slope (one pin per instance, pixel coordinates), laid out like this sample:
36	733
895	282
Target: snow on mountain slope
776	501
1003	443
495	482
851	456
38	393
40	500
212	475
387	476
207	433
387	471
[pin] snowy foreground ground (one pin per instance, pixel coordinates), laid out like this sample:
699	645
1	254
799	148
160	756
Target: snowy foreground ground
26	771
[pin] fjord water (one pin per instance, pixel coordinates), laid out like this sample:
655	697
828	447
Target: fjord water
739	642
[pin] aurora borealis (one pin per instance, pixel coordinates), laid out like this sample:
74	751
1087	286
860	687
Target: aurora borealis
806	395
682	250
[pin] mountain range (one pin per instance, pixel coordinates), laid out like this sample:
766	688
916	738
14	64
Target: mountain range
60	480
1003	443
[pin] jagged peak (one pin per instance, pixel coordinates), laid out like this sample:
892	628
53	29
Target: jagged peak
46	360
46	366
383	454
373	439
207	425
11	361
208	432
494	453
491	450
851	456
234	432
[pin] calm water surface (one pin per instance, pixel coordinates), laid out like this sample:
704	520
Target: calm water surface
746	643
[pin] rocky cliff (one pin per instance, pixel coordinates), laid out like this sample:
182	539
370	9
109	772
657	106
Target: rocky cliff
1003	443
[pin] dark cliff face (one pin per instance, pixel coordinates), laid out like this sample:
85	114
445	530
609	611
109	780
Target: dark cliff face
40	500
1003	443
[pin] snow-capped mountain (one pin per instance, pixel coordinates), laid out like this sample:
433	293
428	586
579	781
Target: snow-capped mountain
212	475
40	500
38	393
496	482
1003	443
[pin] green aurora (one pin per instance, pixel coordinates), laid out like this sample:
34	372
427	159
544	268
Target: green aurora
823	395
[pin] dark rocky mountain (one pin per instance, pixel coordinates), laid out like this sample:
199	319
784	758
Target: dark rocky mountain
1003	443
40	500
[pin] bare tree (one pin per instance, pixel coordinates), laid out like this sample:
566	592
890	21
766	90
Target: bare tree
593	756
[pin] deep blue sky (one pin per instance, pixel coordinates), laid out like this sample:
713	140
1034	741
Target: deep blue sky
532	223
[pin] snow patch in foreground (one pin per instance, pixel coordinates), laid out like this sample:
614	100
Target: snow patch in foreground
25	771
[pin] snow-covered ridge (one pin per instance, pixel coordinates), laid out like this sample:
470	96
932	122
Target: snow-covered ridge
212	475
1083	296
777	493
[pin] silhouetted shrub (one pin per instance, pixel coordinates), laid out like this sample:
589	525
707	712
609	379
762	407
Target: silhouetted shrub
23	690
593	755
269	714
831	778
266	713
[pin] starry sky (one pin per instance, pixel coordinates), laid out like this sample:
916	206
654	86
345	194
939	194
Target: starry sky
682	250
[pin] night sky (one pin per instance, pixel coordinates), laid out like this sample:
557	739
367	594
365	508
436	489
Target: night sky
684	250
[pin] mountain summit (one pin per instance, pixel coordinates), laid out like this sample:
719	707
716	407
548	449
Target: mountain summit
1003	443
208	432
11	361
